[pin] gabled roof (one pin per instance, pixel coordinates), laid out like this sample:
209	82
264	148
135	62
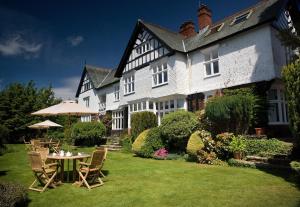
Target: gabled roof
263	12
100	77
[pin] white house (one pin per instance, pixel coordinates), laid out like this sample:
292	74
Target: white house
162	71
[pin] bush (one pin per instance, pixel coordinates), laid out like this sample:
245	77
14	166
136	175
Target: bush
12	194
267	147
4	134
139	142
231	113
161	154
222	142
88	133
126	142
237	144
148	142
141	121
107	121
290	76
177	127
295	166
240	163
194	144
203	122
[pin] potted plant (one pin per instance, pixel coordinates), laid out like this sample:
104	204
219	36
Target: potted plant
237	146
260	131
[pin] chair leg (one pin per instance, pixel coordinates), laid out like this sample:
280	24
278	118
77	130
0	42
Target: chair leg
49	181
84	180
102	174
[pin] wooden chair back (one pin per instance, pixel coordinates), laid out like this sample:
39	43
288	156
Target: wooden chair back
44	151
36	142
97	158
36	161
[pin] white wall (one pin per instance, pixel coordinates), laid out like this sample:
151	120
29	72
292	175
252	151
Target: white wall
279	53
109	90
94	100
245	58
177	80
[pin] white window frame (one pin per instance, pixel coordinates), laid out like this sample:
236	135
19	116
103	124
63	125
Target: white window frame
156	73
211	63
249	12
281	103
86	101
117	93
118	120
129	84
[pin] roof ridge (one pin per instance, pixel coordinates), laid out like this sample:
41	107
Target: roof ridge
98	68
163	28
104	78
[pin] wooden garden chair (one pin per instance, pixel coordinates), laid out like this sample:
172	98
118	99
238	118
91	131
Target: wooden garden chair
92	171
56	146
44	174
28	145
35	143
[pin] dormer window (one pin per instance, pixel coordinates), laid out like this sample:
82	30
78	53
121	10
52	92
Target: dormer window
215	29
241	18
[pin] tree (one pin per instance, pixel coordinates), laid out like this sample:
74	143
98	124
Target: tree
291	78
18	101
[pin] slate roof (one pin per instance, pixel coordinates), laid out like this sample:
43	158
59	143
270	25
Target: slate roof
100	77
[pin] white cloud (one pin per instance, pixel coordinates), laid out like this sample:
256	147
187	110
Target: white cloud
75	40
69	88
17	45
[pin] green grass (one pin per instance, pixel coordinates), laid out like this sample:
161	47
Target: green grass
133	181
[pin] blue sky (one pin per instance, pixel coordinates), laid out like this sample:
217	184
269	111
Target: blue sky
49	41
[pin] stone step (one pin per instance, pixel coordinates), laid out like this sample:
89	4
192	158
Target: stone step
112	146
277	160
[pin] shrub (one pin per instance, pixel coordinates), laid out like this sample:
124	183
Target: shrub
237	144
177	127
267	147
146	144
231	113
222	142
295	166
4	134
195	143
139	142
240	163
141	121
12	194
203	122
88	133
206	157
290	76
107	121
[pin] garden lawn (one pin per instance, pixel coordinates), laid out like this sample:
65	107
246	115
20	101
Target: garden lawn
133	181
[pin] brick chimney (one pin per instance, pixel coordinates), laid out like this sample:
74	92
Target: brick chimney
204	16
187	29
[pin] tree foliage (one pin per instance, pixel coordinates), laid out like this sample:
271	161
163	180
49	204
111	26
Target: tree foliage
18	101
291	78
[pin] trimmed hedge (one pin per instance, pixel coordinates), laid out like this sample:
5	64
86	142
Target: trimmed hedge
177	127
88	133
195	143
240	163
141	121
12	194
267	147
148	142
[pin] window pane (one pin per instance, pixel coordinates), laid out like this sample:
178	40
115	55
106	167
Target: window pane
154	70
208	69
159	78
155	79
159	68
273	112
144	105
139	106
129	88
167	105
180	103
165	76
216	67
132	86
165	66
134	107
150	105
172	104
272	94
161	105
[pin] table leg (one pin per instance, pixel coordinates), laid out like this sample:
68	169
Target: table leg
68	175
74	170
62	167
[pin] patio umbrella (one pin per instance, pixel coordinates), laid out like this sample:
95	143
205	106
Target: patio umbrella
44	125
69	108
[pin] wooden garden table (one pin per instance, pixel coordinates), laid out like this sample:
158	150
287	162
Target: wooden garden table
62	159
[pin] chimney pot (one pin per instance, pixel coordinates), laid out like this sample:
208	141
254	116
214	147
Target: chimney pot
187	29
204	16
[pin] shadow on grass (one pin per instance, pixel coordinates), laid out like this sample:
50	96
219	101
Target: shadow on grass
284	172
3	172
